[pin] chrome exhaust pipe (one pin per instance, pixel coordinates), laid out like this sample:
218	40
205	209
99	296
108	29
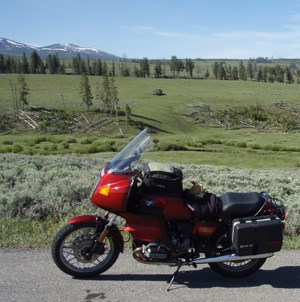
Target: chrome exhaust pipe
228	258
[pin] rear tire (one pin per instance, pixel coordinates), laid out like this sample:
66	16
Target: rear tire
68	251
232	269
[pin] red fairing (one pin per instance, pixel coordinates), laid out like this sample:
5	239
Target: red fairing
112	191
145	228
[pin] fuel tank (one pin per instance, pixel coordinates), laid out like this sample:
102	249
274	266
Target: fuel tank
173	207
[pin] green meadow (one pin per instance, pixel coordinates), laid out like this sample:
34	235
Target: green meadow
166	116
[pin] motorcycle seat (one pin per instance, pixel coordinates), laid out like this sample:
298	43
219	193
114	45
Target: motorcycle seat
240	204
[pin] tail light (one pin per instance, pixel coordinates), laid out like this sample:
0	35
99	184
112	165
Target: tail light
281	213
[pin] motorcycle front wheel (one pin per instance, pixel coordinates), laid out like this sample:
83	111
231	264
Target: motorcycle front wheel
69	251
233	269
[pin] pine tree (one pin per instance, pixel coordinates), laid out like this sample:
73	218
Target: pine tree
35	62
189	66
234	73
207	74
158	69
288	75
53	64
2	64
221	72
23	90
215	69
76	63
85	91
88	67
104	69
259	76
279	73
25	65
99	67
174	66
145	67
250	70
105	93
113	70
128	114
242	71
113	92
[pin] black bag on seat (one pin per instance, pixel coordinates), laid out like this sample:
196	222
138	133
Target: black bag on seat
204	205
162	179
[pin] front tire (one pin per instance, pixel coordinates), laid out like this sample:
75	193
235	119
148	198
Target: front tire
232	269
71	242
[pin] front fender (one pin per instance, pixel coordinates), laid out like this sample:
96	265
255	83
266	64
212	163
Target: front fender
85	218
114	230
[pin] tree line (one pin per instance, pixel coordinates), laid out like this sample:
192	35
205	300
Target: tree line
265	73
260	69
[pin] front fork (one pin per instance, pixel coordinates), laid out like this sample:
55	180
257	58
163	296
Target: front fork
106	229
97	246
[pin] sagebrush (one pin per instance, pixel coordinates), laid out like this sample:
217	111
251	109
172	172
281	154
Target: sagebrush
53	187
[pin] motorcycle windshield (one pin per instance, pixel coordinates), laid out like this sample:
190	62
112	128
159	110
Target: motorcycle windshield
132	152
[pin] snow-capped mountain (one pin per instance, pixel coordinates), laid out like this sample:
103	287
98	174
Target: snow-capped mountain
64	51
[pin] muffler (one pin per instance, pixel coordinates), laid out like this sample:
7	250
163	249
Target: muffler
228	258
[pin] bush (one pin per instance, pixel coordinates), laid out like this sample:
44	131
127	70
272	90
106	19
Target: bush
163	146
65	145
52	187
241	144
255	147
86	140
7	142
71	140
212	141
17	148
40	139
273	148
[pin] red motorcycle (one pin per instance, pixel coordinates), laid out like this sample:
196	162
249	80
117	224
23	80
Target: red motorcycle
235	232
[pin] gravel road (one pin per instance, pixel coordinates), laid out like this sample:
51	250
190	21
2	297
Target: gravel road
30	275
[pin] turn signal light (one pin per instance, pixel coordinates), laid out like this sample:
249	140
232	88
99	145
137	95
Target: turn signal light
104	190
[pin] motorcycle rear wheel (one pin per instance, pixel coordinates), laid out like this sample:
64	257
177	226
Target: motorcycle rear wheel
232	269
68	249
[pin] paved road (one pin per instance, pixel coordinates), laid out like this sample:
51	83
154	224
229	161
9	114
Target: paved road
27	275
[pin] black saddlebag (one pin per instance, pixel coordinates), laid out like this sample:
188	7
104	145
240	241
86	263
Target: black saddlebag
257	235
162	179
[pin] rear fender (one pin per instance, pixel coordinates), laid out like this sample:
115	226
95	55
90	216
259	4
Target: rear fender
93	218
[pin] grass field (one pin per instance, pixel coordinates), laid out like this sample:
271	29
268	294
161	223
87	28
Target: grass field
47	90
164	114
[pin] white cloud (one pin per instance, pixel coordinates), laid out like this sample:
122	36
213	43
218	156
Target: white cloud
141	29
282	42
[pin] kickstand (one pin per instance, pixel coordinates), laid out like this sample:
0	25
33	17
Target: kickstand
174	275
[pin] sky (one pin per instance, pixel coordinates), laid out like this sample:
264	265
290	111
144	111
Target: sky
159	29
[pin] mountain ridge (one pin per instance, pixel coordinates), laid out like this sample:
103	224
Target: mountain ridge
64	51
